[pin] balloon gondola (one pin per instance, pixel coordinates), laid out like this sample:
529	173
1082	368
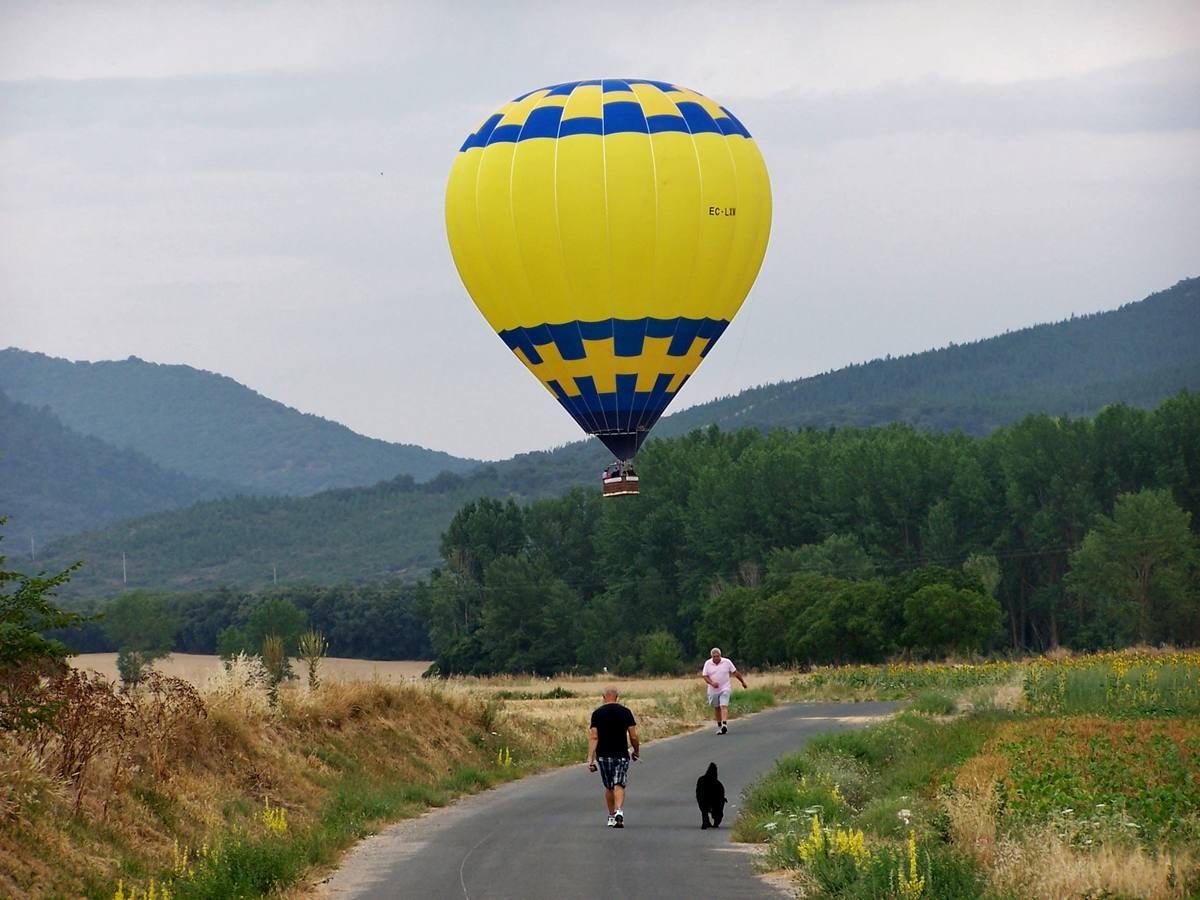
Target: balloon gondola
619	480
609	230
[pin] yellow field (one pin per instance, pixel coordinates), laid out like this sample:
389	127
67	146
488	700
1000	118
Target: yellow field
663	705
196	668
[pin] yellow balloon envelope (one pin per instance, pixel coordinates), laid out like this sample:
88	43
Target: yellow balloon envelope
608	230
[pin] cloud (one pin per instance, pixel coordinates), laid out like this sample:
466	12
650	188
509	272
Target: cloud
1158	95
202	183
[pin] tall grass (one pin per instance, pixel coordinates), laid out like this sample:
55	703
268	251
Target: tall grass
856	813
898	681
1116	684
1063	777
172	773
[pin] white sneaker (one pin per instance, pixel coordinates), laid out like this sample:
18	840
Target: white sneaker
612	821
619	817
724	728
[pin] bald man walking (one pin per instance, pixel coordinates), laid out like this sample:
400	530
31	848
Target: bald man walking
716	674
608	751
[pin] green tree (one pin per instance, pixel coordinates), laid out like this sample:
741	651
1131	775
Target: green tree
846	622
1136	569
838	556
26	657
528	619
985	569
940	619
723	621
276	616
660	652
143	629
273	616
480	532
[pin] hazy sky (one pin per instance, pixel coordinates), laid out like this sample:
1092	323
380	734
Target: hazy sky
256	188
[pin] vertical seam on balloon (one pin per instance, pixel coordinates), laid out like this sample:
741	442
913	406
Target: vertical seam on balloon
512	213
737	194
607	228
580	407
479	231
695	249
629	426
634	426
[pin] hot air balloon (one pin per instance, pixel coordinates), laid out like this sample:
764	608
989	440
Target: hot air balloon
609	230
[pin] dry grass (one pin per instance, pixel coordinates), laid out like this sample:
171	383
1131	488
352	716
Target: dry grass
191	776
196	668
971	806
199	781
1044	865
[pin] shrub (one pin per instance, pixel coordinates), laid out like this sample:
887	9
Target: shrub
240	683
26	657
661	652
313	648
933	703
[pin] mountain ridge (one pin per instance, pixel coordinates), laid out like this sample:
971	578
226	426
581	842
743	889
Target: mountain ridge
1139	354
766	406
209	426
55	481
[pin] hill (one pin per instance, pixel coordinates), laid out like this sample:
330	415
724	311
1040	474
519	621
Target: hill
55	481
389	530
1139	354
211	427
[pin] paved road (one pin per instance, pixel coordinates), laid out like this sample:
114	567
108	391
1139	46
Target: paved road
545	836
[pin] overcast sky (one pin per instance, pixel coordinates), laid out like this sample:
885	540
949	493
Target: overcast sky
256	188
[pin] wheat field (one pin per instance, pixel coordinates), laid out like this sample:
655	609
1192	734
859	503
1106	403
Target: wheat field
196	667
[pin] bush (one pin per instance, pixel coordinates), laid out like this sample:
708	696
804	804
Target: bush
26	657
661	653
626	665
933	703
749	701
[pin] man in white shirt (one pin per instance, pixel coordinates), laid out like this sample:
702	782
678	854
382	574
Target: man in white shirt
716	673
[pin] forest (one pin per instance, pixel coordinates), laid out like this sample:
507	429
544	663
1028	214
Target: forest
841	545
1139	354
812	546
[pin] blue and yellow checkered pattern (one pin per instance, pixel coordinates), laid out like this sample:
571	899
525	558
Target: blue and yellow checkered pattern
609	230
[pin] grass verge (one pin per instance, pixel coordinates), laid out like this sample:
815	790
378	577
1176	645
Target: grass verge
226	796
998	802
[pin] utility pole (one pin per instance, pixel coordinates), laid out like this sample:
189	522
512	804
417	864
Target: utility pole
274	574
124	574
32	550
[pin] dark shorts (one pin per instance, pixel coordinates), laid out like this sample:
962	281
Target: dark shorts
613	770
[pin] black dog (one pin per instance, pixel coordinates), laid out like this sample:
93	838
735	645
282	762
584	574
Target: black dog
710	795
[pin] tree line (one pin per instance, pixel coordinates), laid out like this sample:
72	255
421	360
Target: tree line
840	545
812	546
375	621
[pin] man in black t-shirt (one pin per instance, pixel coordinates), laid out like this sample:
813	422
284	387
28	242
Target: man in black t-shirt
609	752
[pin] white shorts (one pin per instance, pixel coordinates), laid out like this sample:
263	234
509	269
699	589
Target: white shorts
720	699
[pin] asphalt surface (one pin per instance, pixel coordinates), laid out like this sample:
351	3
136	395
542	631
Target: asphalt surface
546	836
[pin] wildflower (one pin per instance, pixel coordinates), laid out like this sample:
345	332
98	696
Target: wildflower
275	819
908	883
771	826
